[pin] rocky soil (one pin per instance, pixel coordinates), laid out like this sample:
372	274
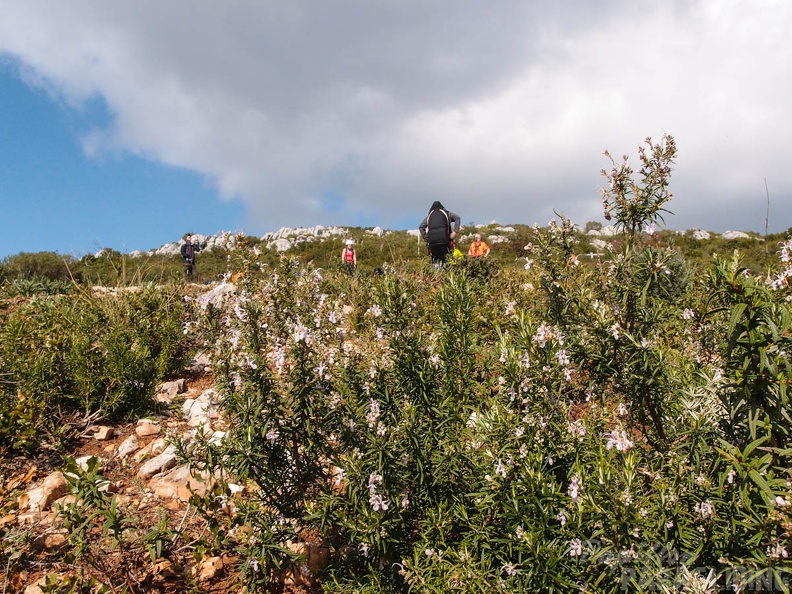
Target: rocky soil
144	473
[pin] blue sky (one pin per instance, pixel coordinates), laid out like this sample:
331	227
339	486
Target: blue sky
125	124
56	198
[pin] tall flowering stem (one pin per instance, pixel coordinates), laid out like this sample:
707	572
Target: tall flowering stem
638	204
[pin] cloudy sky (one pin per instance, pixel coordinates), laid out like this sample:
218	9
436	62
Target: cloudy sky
125	124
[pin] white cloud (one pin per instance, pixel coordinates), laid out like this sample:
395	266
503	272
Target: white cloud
501	113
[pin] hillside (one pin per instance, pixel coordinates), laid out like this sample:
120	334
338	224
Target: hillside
566	414
375	247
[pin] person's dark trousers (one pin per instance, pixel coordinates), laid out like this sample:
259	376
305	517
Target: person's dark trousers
439	253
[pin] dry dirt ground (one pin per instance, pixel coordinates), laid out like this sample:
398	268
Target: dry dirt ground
35	546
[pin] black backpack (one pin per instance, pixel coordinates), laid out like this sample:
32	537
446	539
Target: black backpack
438	227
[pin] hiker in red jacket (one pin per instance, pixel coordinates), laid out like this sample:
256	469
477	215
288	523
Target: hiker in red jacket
348	256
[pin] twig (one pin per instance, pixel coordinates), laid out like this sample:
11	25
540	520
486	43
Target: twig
179	529
767	216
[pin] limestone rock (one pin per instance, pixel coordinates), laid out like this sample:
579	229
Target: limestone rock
280	245
164	461
177	484
167	391
206	406
82	462
200	363
40	498
158	446
209	568
216	295
50	541
103	433
146	428
128	446
735	235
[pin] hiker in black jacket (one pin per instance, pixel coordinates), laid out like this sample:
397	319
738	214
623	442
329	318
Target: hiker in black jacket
188	251
438	229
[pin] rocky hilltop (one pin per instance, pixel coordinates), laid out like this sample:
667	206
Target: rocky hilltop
286	238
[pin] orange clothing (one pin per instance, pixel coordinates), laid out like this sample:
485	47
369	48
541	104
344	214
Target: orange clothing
478	248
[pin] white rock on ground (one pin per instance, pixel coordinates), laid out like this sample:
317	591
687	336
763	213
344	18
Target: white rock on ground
128	446
168	391
147	427
164	461
735	235
177	484
40	498
103	433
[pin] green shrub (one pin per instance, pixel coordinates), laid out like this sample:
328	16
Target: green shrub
85	354
40	265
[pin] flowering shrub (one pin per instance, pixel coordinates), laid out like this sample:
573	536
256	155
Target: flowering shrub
466	434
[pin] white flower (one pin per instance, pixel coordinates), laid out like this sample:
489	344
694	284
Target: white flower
781	501
577	429
704	508
777	552
574	488
545	333
272	435
373	415
618	439
688	314
562	357
374	479
378	502
429	552
561	517
575	547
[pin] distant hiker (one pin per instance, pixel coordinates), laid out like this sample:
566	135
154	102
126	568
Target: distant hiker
348	255
479	249
438	229
188	252
455	254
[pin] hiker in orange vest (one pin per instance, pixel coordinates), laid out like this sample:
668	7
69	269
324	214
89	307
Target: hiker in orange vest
479	249
348	255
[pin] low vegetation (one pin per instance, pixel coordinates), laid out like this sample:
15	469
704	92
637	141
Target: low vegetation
541	422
